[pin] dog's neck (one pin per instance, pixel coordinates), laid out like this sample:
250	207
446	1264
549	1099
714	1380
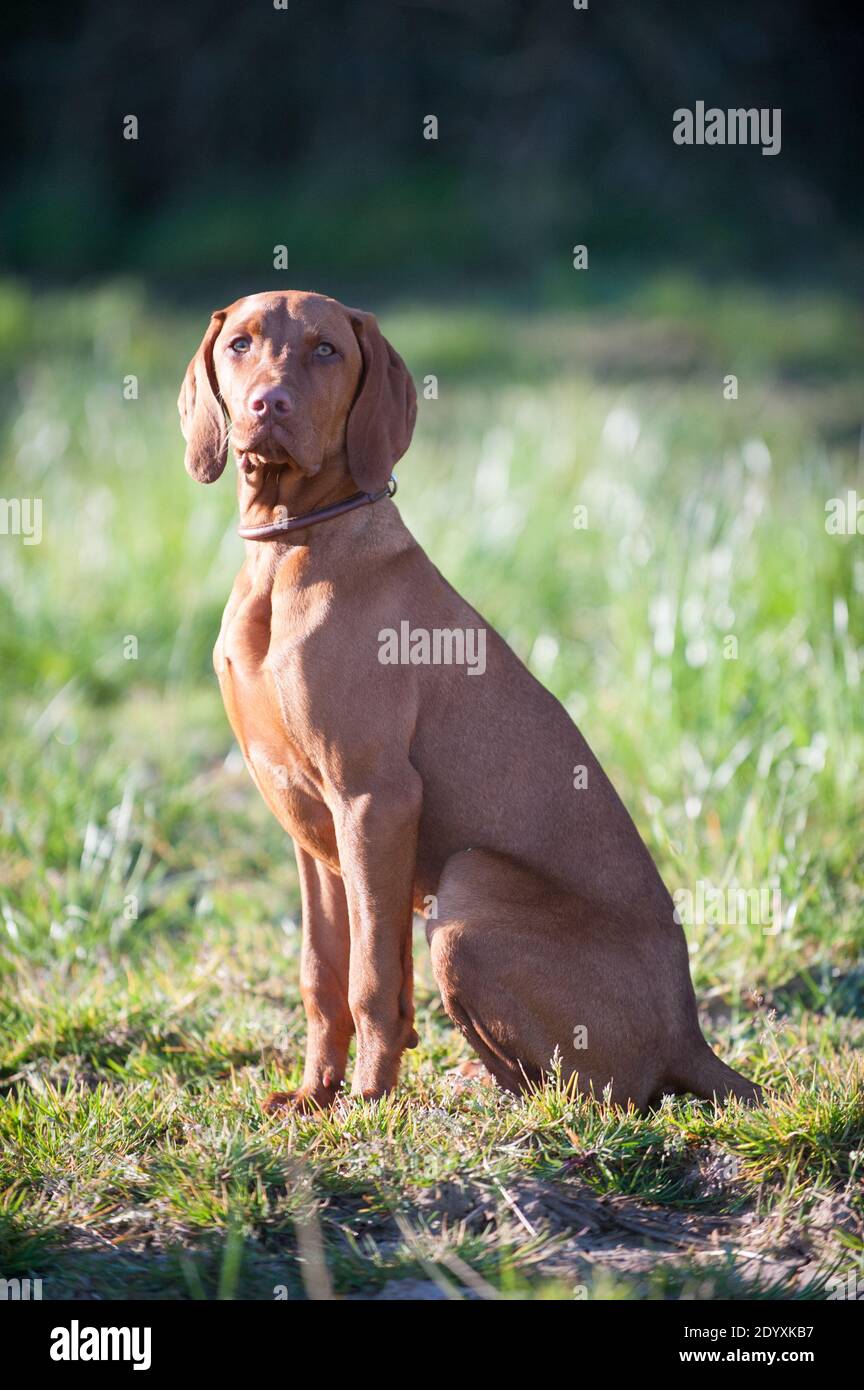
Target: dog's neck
271	493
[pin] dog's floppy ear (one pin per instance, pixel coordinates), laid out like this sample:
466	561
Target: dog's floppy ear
382	417
201	416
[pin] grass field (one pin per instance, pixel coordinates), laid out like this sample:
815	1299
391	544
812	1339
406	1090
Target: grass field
150	939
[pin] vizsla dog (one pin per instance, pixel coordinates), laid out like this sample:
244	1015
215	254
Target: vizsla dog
408	782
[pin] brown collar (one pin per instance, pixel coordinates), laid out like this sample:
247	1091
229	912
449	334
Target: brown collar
273	530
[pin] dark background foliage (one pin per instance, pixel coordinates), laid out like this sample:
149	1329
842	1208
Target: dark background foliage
304	126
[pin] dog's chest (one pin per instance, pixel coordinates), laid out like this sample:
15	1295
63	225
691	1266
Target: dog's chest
273	750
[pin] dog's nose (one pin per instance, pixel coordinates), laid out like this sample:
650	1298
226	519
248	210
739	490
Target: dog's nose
273	401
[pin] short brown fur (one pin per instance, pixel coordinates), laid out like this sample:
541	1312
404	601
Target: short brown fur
403	785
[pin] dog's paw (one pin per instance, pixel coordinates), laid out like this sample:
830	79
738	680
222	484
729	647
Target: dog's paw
302	1101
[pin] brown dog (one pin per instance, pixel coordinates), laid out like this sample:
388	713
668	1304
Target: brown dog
408	781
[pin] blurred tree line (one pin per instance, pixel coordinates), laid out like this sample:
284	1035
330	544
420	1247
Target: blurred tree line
304	125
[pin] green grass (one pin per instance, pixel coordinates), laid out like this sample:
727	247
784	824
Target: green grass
149	939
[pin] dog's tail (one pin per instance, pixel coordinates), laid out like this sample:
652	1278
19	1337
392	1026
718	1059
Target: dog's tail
710	1079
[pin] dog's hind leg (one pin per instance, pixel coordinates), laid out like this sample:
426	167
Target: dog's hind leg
529	974
708	1078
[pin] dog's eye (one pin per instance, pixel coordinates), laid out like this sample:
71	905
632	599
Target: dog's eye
324	350
241	345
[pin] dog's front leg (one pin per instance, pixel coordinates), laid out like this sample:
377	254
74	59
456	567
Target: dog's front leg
324	960
377	835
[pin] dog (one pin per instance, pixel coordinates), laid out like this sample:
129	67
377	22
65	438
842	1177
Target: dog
406	785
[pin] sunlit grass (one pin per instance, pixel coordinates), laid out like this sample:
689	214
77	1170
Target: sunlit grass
149	902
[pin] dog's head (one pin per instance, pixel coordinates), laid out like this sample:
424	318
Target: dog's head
306	384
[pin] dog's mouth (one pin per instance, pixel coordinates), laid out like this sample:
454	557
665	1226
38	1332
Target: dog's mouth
260	439
262	451
249	461
266	448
